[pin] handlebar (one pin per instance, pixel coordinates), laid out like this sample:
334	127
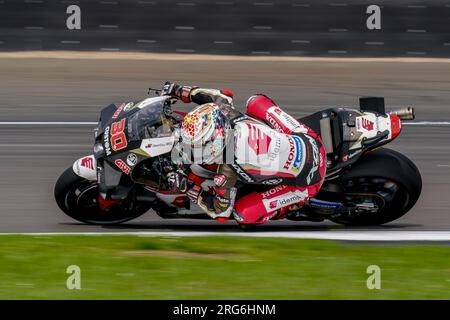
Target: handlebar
156	91
405	113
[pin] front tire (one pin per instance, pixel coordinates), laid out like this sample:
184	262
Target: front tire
78	198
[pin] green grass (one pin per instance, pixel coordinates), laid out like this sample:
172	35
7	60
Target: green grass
129	267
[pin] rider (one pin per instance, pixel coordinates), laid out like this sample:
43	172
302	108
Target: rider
287	158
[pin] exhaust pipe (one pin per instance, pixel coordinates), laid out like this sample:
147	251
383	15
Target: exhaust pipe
405	113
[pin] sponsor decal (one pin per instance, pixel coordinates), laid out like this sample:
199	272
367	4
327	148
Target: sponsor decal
118	138
296	164
87	162
291	154
241	173
272	191
258	140
278	111
272	181
276	150
132	159
367	124
106	141
118	111
284	200
315	165
324	204
158	145
273	122
220	180
273	205
294	160
289	122
122	166
364	124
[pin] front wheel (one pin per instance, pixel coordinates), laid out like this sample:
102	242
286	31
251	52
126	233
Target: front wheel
380	188
78	198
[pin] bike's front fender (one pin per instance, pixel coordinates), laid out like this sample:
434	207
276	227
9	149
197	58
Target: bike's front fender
86	168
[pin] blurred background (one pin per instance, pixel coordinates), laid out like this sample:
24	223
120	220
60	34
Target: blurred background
239	27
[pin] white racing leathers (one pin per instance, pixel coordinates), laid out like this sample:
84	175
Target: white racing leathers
288	157
282	156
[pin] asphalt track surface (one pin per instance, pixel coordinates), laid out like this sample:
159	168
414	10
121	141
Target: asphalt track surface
74	90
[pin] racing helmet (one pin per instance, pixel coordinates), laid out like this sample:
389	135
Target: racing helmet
204	130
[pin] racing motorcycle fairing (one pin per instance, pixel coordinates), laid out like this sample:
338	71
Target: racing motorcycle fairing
128	136
86	167
157	146
348	133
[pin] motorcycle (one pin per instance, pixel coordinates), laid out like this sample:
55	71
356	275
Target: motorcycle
127	174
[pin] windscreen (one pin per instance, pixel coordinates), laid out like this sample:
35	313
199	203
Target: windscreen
149	122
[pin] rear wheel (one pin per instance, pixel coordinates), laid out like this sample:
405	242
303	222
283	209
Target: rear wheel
78	198
384	186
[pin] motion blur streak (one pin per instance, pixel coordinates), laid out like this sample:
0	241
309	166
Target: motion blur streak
288	27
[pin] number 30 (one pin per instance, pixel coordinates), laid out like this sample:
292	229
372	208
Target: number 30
118	138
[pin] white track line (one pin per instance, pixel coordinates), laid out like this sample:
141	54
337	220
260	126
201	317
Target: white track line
57	123
442	236
124	55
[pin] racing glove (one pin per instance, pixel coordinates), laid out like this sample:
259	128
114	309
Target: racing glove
175	90
177	180
197	95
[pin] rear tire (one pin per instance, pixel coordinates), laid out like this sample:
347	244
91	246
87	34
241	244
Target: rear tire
387	176
78	198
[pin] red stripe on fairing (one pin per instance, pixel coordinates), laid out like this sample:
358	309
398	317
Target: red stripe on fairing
118	111
396	126
269	173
